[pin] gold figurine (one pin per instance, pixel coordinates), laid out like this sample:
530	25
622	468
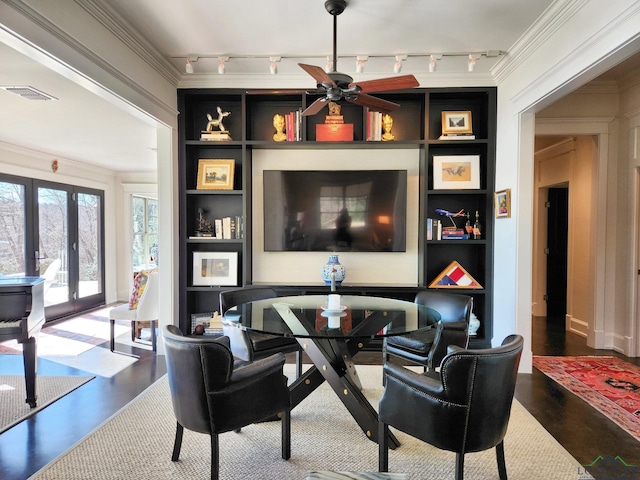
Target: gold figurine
387	123
278	124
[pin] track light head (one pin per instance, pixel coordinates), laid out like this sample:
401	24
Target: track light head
397	67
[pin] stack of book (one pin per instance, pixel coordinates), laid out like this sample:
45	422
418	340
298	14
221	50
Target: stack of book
457	136
211	321
454	233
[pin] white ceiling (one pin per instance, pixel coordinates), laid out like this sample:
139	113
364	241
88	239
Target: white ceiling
82	126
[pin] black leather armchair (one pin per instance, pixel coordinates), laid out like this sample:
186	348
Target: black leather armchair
429	347
463	408
252	346
212	396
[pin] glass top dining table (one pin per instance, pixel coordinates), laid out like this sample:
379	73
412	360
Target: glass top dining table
308	316
331	337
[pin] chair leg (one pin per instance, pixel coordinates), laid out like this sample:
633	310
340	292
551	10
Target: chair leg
502	466
383	447
133	330
459	466
112	328
153	335
177	443
286	434
215	457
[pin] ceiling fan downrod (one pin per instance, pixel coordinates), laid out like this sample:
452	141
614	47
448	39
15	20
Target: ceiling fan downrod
335	8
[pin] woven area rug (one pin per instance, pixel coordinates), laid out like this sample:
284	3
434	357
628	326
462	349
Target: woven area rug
609	384
13	408
137	443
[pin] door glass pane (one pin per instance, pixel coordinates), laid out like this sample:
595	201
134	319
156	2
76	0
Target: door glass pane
12	229
145	233
89	245
53	244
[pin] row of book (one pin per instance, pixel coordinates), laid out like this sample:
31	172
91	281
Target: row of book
374	126
293	126
226	228
211	321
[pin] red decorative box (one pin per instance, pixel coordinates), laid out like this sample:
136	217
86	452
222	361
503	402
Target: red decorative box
340	132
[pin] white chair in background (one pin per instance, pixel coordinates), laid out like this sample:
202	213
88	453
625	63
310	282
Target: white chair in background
146	311
50	274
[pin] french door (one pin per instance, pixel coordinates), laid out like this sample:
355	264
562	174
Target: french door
54	231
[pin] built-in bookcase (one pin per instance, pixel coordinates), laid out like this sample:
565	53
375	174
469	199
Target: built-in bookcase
417	124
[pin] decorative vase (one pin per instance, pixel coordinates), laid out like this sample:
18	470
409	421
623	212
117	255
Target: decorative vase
333	267
474	324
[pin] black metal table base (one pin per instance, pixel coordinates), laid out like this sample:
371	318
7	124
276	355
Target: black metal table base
333	362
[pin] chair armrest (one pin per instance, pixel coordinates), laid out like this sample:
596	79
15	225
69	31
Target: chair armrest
454	349
417	381
460	325
259	368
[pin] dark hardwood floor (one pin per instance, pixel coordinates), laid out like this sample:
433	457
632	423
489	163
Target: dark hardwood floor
33	443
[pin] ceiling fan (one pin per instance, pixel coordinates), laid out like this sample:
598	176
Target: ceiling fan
337	86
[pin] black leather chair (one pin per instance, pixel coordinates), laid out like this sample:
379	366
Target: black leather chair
250	346
463	408
429	347
212	396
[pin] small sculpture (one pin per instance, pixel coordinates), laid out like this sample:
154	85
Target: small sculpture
216	122
278	124
387	123
334	108
204	228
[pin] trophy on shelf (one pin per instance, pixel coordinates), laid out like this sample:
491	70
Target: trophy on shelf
216	135
334	128
205	227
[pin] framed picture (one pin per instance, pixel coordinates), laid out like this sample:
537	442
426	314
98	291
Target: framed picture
456	122
456	172
503	203
215	174
215	268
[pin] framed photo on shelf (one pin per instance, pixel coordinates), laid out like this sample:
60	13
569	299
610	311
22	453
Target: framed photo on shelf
456	123
456	172
215	268
503	203
215	174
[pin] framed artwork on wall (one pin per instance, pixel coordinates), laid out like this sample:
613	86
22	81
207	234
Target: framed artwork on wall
215	268
503	203
215	174
456	172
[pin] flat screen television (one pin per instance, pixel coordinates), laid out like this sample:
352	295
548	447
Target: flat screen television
335	210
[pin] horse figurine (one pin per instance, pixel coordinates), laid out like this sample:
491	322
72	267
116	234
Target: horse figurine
216	122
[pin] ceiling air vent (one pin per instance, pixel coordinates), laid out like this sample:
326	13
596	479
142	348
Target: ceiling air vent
28	92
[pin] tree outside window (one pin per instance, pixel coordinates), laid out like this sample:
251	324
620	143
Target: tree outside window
145	232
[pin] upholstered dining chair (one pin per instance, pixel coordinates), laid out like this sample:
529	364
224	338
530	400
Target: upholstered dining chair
145	311
251	346
212	396
463	408
428	347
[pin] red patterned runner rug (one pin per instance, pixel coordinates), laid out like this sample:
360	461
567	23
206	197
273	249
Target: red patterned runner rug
609	384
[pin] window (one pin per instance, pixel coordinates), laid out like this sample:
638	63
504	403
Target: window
355	198
145	232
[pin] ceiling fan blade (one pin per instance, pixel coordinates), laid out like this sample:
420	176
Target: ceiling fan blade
386	84
318	74
315	107
374	103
